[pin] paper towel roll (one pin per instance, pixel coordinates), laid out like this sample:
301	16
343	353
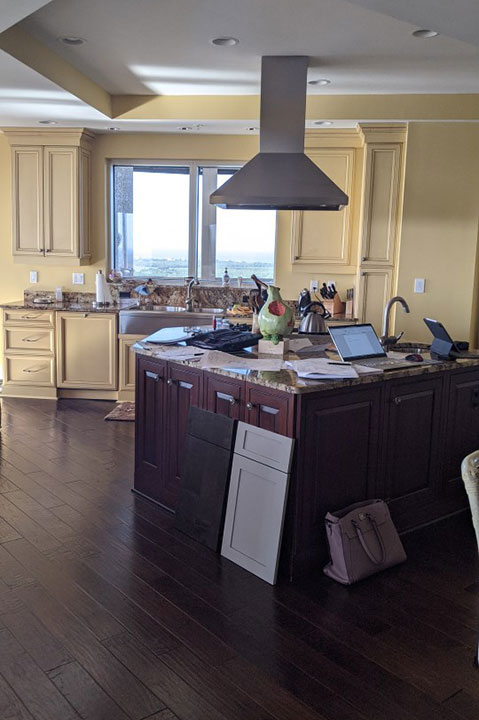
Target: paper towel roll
100	288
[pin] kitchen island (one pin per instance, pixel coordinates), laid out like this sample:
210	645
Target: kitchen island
400	436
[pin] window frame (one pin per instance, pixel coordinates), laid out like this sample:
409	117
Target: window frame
195	235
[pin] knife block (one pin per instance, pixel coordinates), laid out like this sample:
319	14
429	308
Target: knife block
335	306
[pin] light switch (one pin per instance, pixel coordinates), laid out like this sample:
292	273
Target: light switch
419	285
313	286
78	278
33	276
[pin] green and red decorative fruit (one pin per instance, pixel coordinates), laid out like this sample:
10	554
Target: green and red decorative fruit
276	319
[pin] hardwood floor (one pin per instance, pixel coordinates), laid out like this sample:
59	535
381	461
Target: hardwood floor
108	613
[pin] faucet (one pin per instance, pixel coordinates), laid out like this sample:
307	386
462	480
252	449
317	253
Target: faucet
189	294
387	340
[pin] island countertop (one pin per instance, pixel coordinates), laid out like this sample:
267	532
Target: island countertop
287	380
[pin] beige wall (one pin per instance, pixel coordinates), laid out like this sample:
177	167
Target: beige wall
440	227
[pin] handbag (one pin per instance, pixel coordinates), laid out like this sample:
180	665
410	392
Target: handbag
362	541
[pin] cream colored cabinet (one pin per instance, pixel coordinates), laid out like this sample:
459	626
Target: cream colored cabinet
27	215
127	364
382	190
60	201
29	353
374	292
87	350
51	195
325	238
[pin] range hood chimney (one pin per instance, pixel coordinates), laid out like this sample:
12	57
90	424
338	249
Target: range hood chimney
280	176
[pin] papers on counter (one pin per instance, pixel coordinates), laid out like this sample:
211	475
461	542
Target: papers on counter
218	359
300	343
322	369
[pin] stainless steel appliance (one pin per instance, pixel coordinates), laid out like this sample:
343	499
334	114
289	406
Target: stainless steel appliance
313	322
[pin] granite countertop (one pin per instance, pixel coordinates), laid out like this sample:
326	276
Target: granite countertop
82	306
288	381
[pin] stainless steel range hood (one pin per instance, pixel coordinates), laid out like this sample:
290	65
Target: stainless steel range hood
280	176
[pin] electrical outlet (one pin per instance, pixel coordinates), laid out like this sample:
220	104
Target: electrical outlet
313	286
78	278
419	285
33	276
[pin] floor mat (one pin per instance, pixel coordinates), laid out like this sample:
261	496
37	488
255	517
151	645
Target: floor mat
123	412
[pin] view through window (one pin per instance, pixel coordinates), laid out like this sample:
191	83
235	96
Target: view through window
164	226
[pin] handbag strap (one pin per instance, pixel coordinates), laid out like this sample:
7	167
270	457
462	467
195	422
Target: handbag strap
361	539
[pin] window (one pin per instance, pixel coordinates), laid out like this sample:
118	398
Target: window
163	225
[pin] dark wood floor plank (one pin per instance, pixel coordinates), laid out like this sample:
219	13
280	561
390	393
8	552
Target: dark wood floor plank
44	517
11	707
84	694
34	637
12	573
129	693
7	532
32	686
64	590
27	482
27	527
174	691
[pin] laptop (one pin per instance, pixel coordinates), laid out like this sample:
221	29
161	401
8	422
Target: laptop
359	344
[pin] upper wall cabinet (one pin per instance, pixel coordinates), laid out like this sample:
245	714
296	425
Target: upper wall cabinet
51	195
382	187
330	238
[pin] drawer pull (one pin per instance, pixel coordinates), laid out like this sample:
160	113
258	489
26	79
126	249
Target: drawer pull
34	370
32	339
249	406
232	401
29	317
397	400
170	382
152	376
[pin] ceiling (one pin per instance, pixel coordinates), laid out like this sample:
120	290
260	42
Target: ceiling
163	48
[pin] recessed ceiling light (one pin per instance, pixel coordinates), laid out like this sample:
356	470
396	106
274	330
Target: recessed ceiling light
48	122
72	40
252	129
324	123
113	129
321	81
185	128
225	41
425	33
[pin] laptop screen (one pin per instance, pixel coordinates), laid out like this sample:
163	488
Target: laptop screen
355	342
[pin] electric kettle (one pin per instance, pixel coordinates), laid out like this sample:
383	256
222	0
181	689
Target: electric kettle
313	321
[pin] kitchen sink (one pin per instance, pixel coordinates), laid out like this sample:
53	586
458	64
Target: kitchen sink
147	319
411	348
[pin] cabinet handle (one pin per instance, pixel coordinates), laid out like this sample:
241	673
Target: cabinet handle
364	258
170	382
48	250
31	339
232	401
85	314
397	400
153	376
34	370
29	317
249	406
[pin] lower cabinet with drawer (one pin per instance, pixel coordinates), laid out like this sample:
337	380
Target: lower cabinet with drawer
51	354
29	353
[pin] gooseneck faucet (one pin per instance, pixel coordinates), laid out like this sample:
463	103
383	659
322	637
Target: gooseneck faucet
387	340
189	294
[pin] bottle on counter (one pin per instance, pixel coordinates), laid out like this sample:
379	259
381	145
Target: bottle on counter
226	278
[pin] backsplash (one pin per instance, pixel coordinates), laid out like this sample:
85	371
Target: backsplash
204	296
